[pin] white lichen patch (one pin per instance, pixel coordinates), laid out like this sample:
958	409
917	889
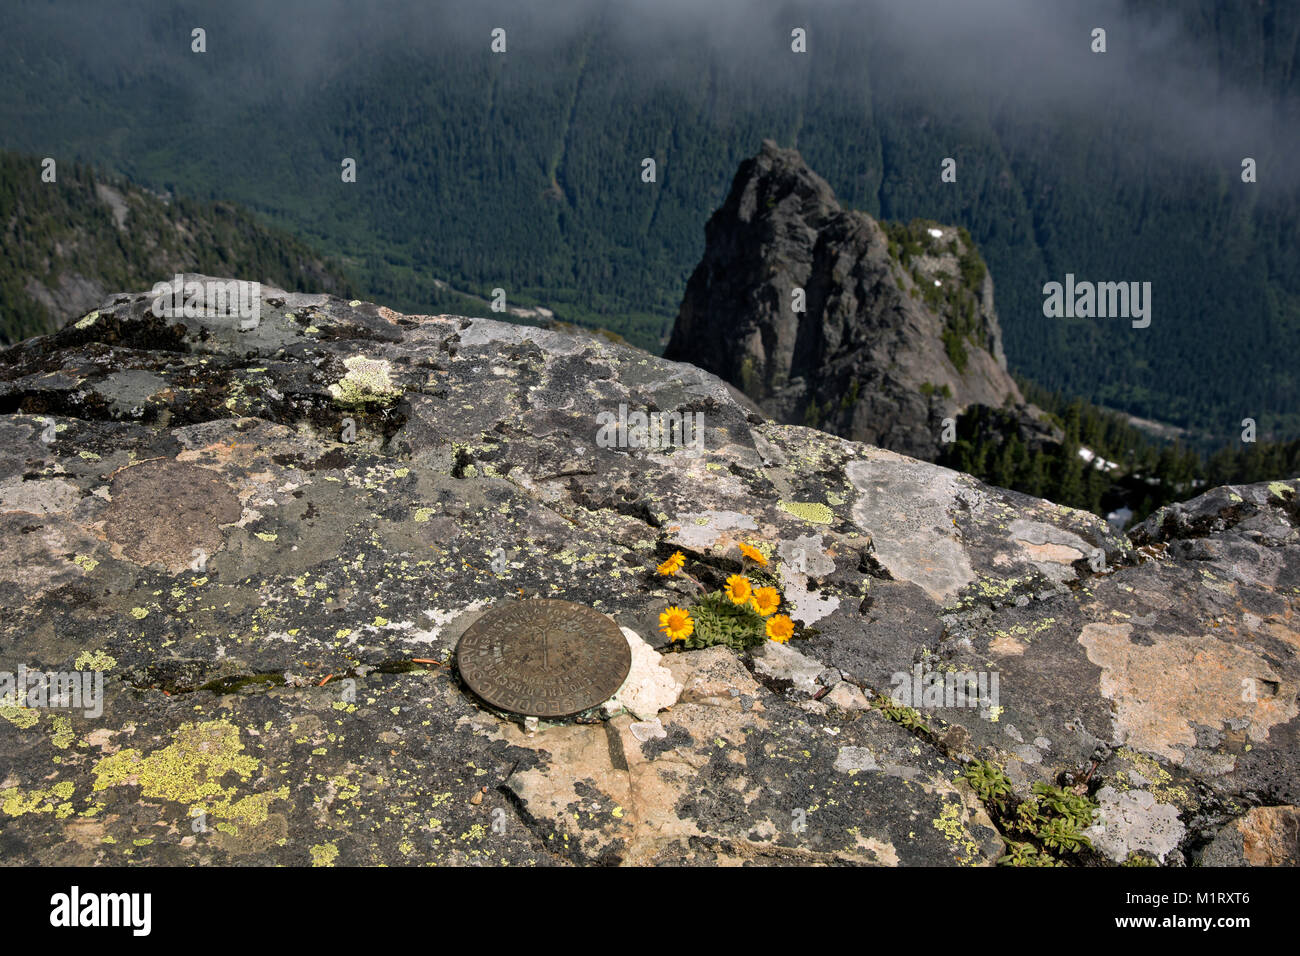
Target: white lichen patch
367	381
1132	821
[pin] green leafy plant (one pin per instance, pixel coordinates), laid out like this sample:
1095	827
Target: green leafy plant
1059	834
1078	810
988	780
719	621
1051	821
905	716
1026	854
1056	817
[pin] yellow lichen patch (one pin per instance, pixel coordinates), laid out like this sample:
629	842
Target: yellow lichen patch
324	854
190	771
1154	778
949	823
15	803
811	511
95	661
61	734
21	717
1162	690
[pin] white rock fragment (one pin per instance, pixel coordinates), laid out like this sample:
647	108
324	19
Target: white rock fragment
649	687
847	697
648	730
785	663
700	530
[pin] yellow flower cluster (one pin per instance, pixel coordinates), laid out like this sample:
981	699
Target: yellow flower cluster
763	600
678	624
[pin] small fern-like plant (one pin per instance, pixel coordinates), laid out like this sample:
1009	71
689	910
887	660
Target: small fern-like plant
1026	854
1056	817
905	716
987	780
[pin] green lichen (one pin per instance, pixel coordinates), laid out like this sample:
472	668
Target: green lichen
950	824
14	803
811	511
61	734
1154	778
21	717
95	661
191	770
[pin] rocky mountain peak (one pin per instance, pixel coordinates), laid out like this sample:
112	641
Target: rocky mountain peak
826	317
268	537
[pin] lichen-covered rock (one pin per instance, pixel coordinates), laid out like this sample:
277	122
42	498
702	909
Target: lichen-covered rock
1265	836
268	541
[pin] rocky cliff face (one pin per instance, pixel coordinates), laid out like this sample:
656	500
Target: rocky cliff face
897	329
269	542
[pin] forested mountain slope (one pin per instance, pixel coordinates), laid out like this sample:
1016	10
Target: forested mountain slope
65	244
523	170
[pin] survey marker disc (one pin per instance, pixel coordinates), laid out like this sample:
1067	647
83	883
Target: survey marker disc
543	657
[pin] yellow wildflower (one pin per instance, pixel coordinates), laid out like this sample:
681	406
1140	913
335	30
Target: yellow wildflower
676	623
672	565
780	628
753	554
766	600
738	589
